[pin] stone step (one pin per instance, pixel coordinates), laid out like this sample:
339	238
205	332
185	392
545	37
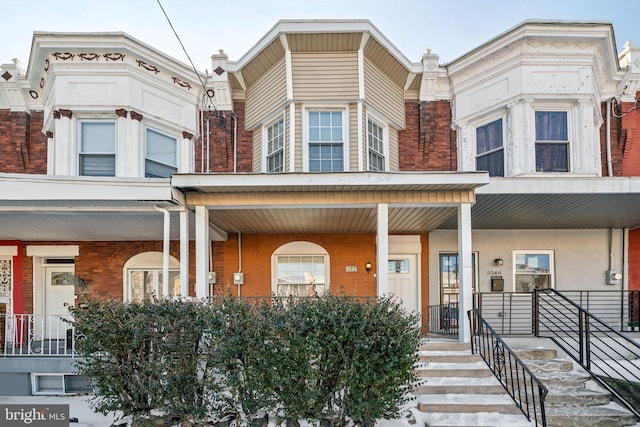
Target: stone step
478	419
444	346
549	365
610	415
459	389
536	353
448	357
562	397
461	370
467	403
575	378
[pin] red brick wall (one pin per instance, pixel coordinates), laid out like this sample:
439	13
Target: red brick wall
630	139
23	146
221	142
100	264
428	143
634	259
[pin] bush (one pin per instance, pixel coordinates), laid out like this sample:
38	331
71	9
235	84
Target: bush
334	358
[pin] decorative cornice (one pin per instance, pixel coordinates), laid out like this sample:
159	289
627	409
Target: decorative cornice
219	70
147	67
49	134
65	113
122	113
115	56
42	83
47	64
6	75
89	56
181	82
187	135
136	116
64	56
34	94
56	114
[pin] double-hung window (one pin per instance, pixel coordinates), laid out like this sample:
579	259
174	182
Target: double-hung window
97	155
161	159
275	147
533	270
490	148
552	141
326	141
375	143
145	285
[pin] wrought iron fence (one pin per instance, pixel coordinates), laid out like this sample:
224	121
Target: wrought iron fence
523	386
608	355
443	319
37	335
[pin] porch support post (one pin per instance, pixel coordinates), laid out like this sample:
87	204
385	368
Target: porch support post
382	249
465	271
184	253
202	251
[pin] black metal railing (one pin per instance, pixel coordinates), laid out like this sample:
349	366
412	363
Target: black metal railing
523	386
509	313
443	319
619	309
608	355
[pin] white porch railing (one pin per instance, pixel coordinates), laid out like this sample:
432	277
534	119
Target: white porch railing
36	335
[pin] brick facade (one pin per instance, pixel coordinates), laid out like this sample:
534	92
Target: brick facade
428	143
630	138
23	146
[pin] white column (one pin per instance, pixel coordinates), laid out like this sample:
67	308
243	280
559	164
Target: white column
186	154
166	240
135	163
382	254
184	253
65	158
202	251
123	143
465	270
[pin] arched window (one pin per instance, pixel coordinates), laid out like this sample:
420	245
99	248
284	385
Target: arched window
300	269
142	276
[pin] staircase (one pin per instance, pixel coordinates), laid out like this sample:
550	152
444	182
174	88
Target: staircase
456	388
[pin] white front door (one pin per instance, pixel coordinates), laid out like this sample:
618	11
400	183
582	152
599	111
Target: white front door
403	281
59	296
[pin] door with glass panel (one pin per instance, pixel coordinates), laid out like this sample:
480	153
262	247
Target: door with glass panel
403	281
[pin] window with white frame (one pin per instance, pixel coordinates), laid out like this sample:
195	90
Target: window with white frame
375	144
300	275
145	285
326	141
552	141
97	154
161	158
533	270
490	148
275	147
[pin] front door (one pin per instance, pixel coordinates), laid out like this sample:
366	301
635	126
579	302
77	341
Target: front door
403	281
59	297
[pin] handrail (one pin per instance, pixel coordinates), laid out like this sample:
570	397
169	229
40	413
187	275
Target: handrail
526	390
443	319
608	355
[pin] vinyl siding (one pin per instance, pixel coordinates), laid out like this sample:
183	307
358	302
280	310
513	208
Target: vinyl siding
257	149
394	158
267	94
383	94
325	76
352	137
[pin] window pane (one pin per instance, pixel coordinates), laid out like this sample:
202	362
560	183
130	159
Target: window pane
493	163
157	170
301	275
275	147
376	146
551	126
552	158
98	137
533	271
161	148
325	141
489	137
97	165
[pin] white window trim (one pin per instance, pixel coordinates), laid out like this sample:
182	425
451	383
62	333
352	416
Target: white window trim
300	248
305	132
147	261
570	109
385	143
265	143
77	143
552	268
143	146
485	121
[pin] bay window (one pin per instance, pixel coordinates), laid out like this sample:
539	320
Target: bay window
325	141
97	154
161	159
490	148
275	147
552	141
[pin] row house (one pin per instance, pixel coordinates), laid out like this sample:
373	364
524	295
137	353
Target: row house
321	160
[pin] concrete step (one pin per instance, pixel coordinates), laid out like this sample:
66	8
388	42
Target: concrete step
478	419
562	397
536	353
467	403
444	346
610	415
460	370
549	365
574	378
448	357
452	385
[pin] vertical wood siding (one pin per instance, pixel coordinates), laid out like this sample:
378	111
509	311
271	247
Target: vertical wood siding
268	93
325	76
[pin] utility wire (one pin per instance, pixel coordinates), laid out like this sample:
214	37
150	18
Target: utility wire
204	88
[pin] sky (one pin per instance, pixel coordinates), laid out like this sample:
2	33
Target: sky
450	28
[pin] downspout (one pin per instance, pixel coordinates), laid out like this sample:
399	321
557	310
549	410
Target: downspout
165	249
608	138
208	146
235	144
